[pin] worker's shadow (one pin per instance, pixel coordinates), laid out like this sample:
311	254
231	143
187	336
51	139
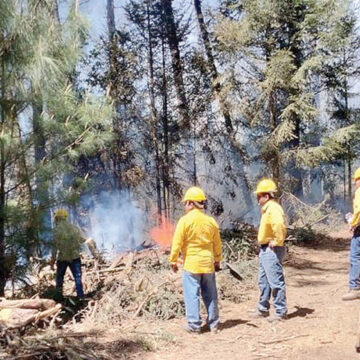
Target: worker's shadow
231	323
300	312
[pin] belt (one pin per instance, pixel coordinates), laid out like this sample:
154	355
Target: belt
265	246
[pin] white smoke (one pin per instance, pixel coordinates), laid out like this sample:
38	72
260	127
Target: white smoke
116	223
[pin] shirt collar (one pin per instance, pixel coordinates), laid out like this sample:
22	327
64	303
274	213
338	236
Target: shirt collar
196	209
265	207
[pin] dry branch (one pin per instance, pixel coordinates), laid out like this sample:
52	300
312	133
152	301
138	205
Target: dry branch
282	340
94	250
43	304
14	318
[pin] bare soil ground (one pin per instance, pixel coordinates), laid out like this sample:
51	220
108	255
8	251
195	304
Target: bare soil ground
320	324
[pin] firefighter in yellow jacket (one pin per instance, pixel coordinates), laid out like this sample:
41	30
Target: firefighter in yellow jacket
354	221
271	237
197	236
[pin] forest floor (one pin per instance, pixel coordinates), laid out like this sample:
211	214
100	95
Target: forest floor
319	326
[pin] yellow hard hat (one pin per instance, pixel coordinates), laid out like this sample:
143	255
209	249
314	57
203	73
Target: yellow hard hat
194	194
357	174
265	186
61	214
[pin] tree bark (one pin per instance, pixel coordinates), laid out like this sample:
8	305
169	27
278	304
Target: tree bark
3	270
216	86
110	17
171	33
275	161
154	115
165	129
42	190
55	11
185	123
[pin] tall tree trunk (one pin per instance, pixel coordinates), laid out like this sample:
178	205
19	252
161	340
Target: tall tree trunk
293	44
165	129
275	162
42	191
344	185
154	115
110	19
27	198
113	65
349	182
3	270
171	33
185	123
349	152
216	86
55	11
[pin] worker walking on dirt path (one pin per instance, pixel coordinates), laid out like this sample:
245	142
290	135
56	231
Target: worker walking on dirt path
67	243
197	236
271	237
354	221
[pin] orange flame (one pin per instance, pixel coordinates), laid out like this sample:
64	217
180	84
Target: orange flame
163	233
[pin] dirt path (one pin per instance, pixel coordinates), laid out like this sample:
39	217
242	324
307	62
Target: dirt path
320	324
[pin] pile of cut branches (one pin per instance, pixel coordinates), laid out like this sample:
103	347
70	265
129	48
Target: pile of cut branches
145	287
53	346
239	243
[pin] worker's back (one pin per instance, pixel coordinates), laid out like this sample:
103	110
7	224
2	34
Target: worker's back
197	234
67	240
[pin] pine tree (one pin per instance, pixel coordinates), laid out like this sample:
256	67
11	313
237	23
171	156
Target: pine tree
282	46
37	61
164	114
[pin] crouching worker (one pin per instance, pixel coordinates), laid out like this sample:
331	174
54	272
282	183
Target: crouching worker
66	250
197	236
271	237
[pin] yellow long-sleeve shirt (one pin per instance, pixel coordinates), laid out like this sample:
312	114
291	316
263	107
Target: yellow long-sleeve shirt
356	211
272	224
197	236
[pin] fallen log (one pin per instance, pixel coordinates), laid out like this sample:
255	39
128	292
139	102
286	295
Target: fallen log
14	318
40	304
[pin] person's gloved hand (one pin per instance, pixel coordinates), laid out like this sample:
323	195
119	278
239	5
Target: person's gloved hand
217	266
174	267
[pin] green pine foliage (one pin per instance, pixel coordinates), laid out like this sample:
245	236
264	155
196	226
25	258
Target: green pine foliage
38	59
284	46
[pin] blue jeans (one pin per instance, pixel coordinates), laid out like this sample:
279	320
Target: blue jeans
271	279
354	274
75	267
193	285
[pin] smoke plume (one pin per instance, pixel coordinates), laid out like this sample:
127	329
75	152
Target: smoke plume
115	222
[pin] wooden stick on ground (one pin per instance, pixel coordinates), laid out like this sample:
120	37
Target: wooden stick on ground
282	340
28	304
30	316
